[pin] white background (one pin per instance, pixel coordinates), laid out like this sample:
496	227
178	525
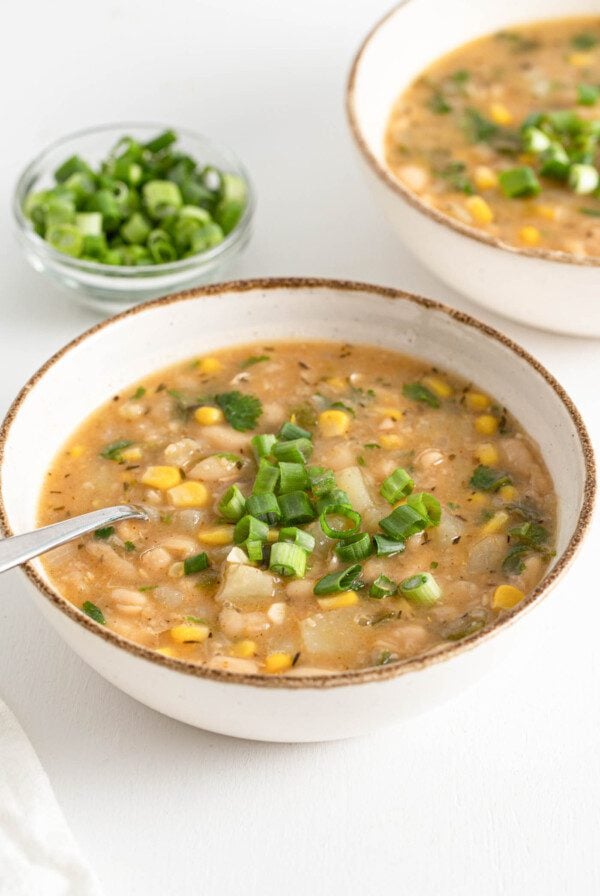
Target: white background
496	793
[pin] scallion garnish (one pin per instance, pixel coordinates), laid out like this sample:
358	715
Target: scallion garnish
387	547
105	533
293	477
345	513
421	588
357	547
383	587
297	536
93	612
267	478
232	504
254	549
296	508
287	559
335	496
290	431
398	485
321	480
519	182
294	450
264	507
342	580
194	564
248	528
263	445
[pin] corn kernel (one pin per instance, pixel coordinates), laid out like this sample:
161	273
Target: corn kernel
188	633
209	365
162	477
581	60
129	455
479	499
166	651
218	535
336	601
390	440
506	597
508	493
529	235
334	423
189	494
391	412
496	524
77	450
486	425
477	401
500	114
243	649
278	662
336	383
485	178
549	212
486	454
208	416
438	386
479	210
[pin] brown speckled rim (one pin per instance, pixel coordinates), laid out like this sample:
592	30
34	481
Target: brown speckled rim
411	198
360	676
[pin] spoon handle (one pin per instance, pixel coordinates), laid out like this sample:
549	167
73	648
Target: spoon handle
19	548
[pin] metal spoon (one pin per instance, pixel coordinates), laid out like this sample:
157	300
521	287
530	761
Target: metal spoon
19	548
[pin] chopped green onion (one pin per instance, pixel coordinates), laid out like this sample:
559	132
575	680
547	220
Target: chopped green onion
160	142
419	392
295	450
387	547
74	165
357	547
161	198
263	445
296	508
519	182
93	612
114	449
232	504
197	563
383	587
264	507
535	140
287	559
428	506
346	513
65	238
267	478
335	496
583	179
89	223
254	549
135	229
298	536
588	94
555	162
293	477
486	479
398	485
342	580
321	481
160	247
290	431
250	529
403	522
421	588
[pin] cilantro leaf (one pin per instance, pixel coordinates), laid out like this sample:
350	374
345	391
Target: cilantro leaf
513	562
103	534
93	612
486	479
531	534
241	411
113	451
419	392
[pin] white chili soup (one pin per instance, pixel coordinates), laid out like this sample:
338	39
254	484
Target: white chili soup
503	134
313	507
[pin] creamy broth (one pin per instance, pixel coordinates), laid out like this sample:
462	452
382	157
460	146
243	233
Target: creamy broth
524	100
471	505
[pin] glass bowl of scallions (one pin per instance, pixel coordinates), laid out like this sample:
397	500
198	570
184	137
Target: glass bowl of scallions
127	212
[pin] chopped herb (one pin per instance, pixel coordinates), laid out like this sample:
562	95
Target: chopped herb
93	612
129	546
254	359
139	393
513	562
434	564
587	94
460	76
520	43
197	563
147	587
304	415
103	534
419	392
114	449
451	505
592	212
360	461
439	104
486	479
340	406
478	128
241	411
385	657
166	518
371	445
584	41
530	533
464	626
454	174
196	619
524	510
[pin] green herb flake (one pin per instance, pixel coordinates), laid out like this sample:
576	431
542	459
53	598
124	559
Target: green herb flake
454	174
139	393
196	619
438	103
478	128
103	534
419	392
129	546
241	411
585	40
254	359
372	445
340	406
588	94
147	587
591	212
385	658
461	76
513	562
93	612
114	449
486	479
361	461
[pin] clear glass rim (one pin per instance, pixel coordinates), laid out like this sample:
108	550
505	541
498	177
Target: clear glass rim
148	271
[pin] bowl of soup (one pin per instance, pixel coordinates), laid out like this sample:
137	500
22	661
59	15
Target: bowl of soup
478	129
352	494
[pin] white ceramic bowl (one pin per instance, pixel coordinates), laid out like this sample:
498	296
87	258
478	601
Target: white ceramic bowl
551	290
78	379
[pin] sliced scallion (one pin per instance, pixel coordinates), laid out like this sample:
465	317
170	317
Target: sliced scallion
519	182
254	549
290	431
346	514
287	559
232	504
194	564
421	588
295	450
248	528
428	506
267	478
296	508
264	507
321	479
297	536
387	547
583	179
335	496
358	547
342	580
383	587
398	485
403	522
263	445
292	478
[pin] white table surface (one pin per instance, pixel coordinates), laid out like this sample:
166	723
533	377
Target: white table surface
496	793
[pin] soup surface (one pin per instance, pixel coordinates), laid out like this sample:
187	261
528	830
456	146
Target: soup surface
502	134
313	507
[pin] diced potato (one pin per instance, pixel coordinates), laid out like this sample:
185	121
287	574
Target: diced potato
244	586
352	482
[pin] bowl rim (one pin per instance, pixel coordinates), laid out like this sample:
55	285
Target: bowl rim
147	272
384	175
359	676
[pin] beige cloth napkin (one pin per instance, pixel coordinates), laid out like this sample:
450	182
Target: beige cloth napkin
38	855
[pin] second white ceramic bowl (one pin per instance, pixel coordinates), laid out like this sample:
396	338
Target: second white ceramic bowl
155	335
550	290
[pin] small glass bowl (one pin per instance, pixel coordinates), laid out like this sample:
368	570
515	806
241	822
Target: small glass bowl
108	288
